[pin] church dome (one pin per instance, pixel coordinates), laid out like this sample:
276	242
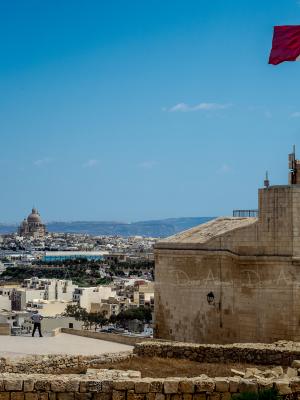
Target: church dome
34	217
24	222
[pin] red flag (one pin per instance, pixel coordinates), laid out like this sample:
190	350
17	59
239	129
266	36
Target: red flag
286	44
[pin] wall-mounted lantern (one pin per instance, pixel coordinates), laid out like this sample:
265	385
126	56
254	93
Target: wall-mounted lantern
211	298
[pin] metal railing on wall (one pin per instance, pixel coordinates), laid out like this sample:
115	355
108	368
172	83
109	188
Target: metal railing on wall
245	213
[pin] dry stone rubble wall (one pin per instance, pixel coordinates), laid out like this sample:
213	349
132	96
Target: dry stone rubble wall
279	353
58	364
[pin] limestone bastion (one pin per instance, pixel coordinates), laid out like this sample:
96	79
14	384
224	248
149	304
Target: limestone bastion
234	279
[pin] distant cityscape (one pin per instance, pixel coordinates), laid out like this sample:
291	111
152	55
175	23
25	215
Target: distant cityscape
75	278
155	228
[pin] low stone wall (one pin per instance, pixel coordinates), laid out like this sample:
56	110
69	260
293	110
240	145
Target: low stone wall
55	332
58	364
280	353
5	329
122	386
110	337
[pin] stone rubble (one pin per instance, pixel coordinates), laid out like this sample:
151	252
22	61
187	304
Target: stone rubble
59	364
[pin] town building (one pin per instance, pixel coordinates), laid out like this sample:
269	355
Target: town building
46	308
52	256
5	303
87	296
144	295
234	279
20	297
32	226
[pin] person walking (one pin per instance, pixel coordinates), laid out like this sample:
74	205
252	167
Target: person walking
36	319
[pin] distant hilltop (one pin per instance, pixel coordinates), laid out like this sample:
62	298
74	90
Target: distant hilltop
155	228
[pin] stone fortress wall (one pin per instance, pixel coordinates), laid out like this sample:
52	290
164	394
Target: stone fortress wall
36	383
34	387
120	385
233	279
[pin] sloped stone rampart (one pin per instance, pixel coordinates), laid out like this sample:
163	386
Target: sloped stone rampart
110	337
280	353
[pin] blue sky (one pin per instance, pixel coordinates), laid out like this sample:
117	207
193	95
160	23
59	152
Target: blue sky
133	110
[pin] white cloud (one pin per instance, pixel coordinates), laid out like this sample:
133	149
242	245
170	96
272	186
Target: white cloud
42	161
91	163
295	114
224	169
148	164
268	114
183	107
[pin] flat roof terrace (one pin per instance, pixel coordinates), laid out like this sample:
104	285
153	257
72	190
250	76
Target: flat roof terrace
17	346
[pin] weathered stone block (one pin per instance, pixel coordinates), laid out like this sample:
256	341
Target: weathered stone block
187	396
102	396
295	385
214	396
205	385
65	396
296	364
150	396
52	396
17	396
28	385
264	384
283	387
13	384
93	386
46	396
278	370
31	396
57	385
156	386
118	395
247	386
4	395
159	396
142	387
72	385
222	384
131	395
123	385
83	387
171	386
199	396
291	372
226	396
234	384
42	385
186	386
106	386
83	396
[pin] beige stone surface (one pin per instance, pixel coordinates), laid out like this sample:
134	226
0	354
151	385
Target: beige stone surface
16	346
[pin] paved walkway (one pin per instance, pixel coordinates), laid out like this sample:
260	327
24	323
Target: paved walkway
15	346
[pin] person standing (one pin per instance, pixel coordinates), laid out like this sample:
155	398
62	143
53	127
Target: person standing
36	319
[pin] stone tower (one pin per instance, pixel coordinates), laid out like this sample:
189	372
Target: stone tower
234	279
